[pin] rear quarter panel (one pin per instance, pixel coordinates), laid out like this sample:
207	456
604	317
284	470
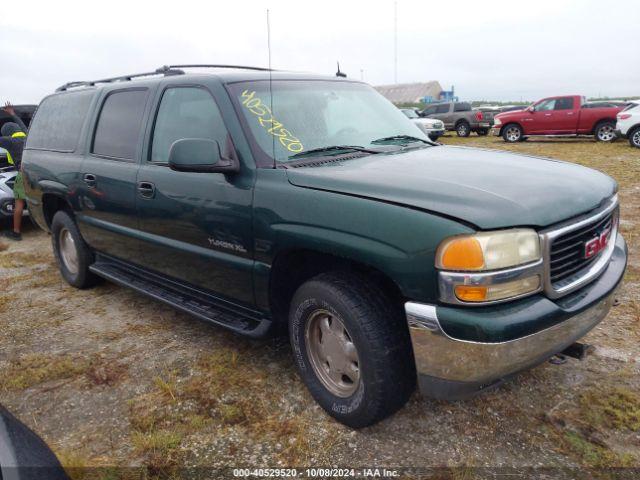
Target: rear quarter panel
590	117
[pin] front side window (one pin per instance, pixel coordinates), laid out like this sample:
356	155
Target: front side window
429	111
120	124
546	105
442	108
310	114
186	112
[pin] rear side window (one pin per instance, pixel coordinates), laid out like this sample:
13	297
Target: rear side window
119	125
186	112
58	121
442	108
564	103
462	107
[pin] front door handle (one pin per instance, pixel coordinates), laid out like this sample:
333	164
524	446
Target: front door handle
89	179
146	189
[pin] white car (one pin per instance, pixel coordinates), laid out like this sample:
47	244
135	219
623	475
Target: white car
432	127
628	124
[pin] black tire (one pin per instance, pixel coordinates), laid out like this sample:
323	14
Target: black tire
433	138
482	132
634	137
463	129
512	133
376	328
80	276
605	131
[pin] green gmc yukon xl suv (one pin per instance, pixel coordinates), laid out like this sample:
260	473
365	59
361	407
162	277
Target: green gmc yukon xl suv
267	201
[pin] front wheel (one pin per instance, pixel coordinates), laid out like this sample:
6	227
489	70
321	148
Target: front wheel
463	129
482	132
512	133
71	252
634	137
352	348
605	132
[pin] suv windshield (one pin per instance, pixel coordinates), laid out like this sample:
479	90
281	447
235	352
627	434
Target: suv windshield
303	115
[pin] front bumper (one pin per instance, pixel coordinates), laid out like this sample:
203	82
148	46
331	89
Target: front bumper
495	130
451	368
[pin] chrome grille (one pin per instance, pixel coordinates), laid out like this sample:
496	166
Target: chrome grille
566	254
566	266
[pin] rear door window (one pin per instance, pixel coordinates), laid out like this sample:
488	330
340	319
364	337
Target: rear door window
58	121
119	126
462	107
187	112
564	103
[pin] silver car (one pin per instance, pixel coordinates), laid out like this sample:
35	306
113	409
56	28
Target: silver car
432	127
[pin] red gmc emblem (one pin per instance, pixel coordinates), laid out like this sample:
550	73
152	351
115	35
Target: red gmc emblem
596	245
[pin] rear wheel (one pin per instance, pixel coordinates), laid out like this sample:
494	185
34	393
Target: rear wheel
463	129
605	132
512	133
352	348
634	137
71	252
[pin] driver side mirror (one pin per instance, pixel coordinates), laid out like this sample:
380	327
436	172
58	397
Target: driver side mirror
200	155
531	109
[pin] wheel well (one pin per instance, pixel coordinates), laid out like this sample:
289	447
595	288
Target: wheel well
292	268
462	120
52	203
509	124
601	121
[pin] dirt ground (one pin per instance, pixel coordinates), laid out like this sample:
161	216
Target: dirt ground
110	378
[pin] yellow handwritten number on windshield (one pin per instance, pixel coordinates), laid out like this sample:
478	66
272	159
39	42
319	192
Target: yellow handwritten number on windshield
270	124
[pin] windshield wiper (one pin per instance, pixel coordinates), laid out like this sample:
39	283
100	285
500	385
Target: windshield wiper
408	138
334	148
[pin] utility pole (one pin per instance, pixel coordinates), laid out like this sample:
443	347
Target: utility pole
395	41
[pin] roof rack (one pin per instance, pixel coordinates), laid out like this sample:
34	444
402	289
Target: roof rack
166	70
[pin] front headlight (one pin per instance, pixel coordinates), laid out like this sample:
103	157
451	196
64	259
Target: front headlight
496	121
489	266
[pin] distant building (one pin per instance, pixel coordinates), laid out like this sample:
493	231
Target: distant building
425	92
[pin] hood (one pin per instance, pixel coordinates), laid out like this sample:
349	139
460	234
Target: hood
486	188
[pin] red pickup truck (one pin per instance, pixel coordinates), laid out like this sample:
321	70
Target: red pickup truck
559	116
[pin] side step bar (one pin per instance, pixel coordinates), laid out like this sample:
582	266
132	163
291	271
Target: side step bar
194	302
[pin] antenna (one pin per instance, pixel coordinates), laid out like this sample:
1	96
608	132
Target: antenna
273	138
395	42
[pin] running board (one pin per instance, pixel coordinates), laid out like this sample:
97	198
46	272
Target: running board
194	302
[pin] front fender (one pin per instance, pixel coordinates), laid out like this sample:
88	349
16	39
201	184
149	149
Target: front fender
396	240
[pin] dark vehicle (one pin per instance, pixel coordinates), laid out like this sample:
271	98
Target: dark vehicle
459	116
606	104
23	454
262	201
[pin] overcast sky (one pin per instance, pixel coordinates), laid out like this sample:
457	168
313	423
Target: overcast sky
495	50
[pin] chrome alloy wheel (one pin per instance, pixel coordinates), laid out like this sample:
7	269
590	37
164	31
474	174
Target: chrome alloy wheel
636	138
332	353
513	134
68	251
606	133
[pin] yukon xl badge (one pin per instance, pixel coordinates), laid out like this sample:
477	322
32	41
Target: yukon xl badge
236	247
597	244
